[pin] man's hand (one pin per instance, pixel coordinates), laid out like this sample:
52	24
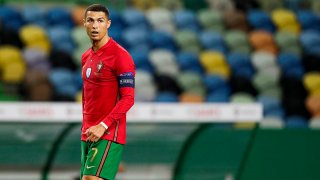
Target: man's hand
94	133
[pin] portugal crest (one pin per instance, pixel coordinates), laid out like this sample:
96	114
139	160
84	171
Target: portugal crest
88	72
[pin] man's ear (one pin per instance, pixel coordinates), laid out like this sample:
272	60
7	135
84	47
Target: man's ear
108	24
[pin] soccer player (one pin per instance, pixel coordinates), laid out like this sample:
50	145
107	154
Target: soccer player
108	73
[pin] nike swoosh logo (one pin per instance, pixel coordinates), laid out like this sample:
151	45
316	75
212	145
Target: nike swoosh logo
89	167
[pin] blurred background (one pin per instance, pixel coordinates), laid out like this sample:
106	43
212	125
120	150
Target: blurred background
185	51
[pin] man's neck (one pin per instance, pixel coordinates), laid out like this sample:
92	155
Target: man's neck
96	45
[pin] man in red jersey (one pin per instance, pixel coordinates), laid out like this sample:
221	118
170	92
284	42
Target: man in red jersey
108	73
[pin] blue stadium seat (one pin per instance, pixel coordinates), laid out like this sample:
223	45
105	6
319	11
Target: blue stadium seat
216	83
218	97
271	106
162	39
141	59
296	122
63	81
33	14
134	36
291	65
166	97
185	19
212	40
310	41
134	18
59	16
11	18
308	20
240	65
61	39
259	19
188	61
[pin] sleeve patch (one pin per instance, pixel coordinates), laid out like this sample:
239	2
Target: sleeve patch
126	80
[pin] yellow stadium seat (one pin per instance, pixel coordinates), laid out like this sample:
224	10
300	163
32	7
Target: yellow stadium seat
44	46
9	54
311	81
214	63
285	20
13	72
31	34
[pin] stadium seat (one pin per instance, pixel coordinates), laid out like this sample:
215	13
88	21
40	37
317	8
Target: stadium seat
172	5
141	59
164	62
263	41
191	82
135	34
291	65
35	36
260	20
212	40
310	42
270	5
77	14
210	20
296	5
240	65
272	123
9	54
285	20
161	19
214	63
11	18
223	6
59	16
216	83
36	59
134	18
13	72
190	97
314	123
271	106
313	105
288	42
218	97
166	97
236	20
296	122
60	38
266	79
262	59
185	19
188	61
60	59
63	81
145	89
187	40
35	14
308	20
311	81
163	40
144	4
242	97
237	41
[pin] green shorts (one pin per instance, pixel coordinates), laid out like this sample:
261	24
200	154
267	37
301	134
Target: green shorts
100	158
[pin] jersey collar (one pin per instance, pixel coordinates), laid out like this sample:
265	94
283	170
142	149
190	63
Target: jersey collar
102	49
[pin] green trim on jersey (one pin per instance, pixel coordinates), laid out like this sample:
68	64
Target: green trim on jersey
100	158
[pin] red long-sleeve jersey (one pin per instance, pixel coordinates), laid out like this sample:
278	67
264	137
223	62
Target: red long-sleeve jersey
108	89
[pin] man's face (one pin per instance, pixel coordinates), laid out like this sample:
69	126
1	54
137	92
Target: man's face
96	24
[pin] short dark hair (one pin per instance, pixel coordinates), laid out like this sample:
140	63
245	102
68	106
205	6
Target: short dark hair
97	8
